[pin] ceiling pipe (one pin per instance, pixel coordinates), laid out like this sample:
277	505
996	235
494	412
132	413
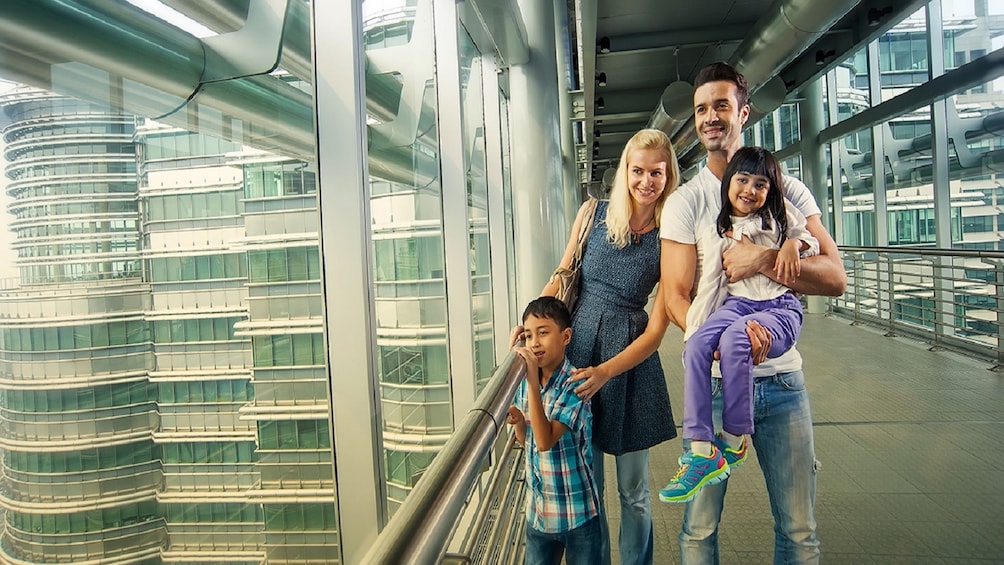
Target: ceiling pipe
118	55
224	16
786	30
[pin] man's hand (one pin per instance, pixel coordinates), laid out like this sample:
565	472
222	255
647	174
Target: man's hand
760	340
745	259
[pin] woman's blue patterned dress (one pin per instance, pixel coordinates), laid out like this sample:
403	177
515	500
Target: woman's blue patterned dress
632	410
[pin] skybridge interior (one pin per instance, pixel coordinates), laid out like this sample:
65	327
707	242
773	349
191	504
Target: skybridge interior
266	255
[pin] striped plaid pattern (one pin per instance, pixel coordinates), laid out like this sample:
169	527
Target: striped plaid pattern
561	492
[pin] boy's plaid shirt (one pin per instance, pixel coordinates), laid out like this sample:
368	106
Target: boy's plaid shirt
562	492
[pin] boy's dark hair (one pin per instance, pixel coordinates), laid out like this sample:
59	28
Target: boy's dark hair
551	308
724	71
756	161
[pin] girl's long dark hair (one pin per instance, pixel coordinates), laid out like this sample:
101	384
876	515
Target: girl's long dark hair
756	161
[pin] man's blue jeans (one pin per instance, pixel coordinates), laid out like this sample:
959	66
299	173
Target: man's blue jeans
784	447
581	545
636	543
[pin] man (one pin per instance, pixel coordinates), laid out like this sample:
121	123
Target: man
783	422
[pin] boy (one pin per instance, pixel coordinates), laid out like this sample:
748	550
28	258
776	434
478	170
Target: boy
563	505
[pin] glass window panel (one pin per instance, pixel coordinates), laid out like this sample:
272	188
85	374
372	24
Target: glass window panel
302	349
297	258
282	350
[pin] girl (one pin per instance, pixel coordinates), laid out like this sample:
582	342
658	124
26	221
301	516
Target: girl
753	206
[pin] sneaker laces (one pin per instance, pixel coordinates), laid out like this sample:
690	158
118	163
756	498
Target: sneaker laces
679	473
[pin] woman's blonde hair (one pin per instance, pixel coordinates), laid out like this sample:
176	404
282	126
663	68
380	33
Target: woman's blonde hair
621	203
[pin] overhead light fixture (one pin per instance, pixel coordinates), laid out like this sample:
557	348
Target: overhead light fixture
875	16
601	80
823	56
603	46
599	103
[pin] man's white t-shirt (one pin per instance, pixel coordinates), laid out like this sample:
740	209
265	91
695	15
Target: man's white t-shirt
695	205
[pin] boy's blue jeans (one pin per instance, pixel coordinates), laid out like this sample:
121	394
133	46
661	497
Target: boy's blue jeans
784	448
581	545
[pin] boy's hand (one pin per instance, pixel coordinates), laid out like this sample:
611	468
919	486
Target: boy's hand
518	422
532	367
786	265
516	416
515	335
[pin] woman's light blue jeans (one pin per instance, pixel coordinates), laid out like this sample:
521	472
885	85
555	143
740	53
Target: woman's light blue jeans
784	447
636	540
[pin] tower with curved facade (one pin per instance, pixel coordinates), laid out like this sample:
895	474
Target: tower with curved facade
77	409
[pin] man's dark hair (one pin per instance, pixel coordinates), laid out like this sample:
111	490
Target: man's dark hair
756	161
551	308
724	71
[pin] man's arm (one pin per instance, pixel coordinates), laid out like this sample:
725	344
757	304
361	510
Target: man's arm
821	274
678	263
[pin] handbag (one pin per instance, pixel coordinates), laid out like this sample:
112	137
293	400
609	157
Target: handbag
569	277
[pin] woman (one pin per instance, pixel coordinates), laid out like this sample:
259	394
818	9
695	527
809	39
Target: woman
614	342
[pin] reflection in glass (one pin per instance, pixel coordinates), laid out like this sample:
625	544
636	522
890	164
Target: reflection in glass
472	116
185	407
406	207
903	55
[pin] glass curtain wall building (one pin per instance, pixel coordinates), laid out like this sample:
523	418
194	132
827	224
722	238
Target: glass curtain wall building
165	387
916	173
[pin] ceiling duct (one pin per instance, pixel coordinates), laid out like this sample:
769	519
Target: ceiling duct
115	54
225	16
675	107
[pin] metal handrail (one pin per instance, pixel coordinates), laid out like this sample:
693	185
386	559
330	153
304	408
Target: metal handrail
424	524
929	293
927	251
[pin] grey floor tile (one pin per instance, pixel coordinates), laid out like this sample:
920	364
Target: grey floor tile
912	449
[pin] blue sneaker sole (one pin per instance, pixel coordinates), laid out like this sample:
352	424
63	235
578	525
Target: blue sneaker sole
710	479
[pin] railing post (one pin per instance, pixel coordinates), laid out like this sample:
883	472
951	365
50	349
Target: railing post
891	287
857	261
999	293
939	329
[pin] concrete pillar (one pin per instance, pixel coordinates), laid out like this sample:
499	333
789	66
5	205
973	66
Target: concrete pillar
810	123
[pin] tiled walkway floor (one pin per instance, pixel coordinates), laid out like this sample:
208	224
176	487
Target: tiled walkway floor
912	449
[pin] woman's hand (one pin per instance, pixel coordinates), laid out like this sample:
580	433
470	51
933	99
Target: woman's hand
592	379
